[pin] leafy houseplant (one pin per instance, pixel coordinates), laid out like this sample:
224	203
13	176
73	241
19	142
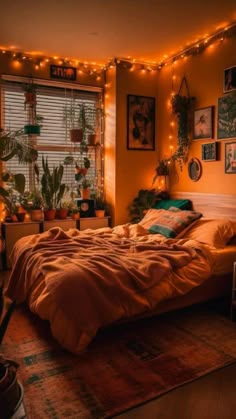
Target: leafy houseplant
100	206
15	143
182	107
12	195
52	187
33	202
145	200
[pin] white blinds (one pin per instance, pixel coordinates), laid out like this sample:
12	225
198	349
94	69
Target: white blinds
54	140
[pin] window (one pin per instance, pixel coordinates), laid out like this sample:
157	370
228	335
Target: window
54	141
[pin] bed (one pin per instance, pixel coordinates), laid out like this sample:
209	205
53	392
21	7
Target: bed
84	281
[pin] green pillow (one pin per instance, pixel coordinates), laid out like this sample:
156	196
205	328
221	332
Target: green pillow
183	204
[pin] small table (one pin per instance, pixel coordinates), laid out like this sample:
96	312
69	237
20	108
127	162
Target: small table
233	301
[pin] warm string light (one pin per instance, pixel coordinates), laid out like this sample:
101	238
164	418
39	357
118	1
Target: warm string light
133	65
19	58
208	41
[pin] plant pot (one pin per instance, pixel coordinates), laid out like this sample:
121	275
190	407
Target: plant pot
75	216
92	139
32	129
99	213
30	98
36	214
85	193
20	216
62	213
76	135
49	214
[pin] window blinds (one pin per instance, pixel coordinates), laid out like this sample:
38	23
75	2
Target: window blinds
54	140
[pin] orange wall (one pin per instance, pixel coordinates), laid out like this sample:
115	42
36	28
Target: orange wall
204	73
133	169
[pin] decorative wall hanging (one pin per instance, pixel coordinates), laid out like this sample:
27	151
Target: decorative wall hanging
203	123
62	73
229	79
140	123
194	169
209	151
230	158
226	126
182	107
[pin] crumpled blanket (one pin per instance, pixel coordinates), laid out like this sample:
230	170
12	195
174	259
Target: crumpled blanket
83	281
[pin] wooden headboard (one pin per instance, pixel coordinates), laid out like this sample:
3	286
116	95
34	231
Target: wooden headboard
210	205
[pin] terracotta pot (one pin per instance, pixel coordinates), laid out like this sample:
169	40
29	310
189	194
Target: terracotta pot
30	98
75	216
49	214
99	213
76	135
36	214
85	193
92	139
61	213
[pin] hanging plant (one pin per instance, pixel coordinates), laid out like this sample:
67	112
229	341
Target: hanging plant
181	107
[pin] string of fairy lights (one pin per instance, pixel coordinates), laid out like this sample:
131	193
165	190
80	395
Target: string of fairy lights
97	70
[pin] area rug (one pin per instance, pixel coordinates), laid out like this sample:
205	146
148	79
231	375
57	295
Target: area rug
123	367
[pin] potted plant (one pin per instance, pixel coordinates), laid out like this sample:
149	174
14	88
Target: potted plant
75	213
12	195
29	90
100	206
35	127
33	202
76	118
85	186
52	188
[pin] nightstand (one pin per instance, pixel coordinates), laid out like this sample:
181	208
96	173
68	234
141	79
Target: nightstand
233	301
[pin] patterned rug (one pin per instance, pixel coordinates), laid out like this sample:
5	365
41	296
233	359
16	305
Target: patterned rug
124	366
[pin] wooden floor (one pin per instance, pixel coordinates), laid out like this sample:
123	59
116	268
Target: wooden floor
210	397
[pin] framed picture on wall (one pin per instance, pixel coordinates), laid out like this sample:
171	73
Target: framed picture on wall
140	122
226	124
230	158
203	123
209	151
229	79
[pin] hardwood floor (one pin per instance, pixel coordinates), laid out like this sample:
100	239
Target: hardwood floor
210	397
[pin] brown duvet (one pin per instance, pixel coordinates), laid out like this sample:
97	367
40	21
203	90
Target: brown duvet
83	281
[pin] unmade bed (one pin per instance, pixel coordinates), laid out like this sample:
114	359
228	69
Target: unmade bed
84	281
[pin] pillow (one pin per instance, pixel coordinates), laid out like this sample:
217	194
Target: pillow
216	233
184	204
151	216
170	223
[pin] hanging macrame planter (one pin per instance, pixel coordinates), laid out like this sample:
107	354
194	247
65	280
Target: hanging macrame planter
182	107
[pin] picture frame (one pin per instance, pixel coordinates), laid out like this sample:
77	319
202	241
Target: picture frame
209	151
229	82
226	127
203	123
194	169
140	123
230	158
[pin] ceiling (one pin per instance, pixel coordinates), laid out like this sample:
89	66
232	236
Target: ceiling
99	30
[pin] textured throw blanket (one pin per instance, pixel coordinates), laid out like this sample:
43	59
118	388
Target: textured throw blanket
82	281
